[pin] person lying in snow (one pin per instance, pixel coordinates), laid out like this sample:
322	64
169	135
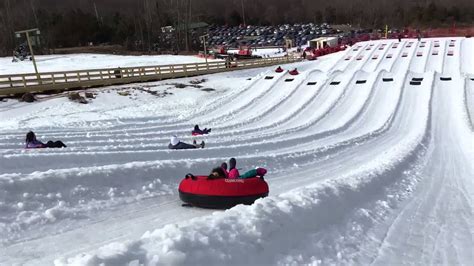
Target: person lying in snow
198	131
176	144
33	143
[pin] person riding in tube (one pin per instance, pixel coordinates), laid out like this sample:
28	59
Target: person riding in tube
260	172
294	72
217	173
233	172
198	131
224	168
176	144
33	143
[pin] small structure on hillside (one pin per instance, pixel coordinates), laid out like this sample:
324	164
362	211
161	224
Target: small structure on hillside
323	42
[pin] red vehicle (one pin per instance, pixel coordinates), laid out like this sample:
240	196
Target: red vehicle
220	50
312	53
244	53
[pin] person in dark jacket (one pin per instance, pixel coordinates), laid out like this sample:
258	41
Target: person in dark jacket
198	131
33	143
224	168
176	144
217	173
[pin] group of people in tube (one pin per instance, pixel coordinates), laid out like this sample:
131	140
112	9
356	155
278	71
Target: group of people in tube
233	172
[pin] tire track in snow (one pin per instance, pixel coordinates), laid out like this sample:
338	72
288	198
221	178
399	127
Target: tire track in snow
469	100
93	159
440	231
367	147
310	204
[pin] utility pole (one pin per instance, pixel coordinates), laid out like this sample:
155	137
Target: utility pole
27	32
97	13
243	12
203	40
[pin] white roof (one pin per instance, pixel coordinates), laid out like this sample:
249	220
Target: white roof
323	39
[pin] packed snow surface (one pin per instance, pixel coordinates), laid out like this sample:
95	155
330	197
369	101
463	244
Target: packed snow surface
369	154
67	62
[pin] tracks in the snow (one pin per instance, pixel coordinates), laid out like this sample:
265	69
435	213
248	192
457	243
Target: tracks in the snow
305	132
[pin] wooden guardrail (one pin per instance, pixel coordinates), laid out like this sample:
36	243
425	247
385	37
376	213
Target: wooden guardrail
21	83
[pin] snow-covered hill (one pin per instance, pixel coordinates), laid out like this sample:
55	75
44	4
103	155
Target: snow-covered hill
366	166
67	62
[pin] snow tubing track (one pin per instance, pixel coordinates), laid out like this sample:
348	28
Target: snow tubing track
369	151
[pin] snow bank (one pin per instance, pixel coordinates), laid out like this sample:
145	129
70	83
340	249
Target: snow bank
254	234
143	101
66	62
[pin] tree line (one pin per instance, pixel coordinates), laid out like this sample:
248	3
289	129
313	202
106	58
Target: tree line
136	24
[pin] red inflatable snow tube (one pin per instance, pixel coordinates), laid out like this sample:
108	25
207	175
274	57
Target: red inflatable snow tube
221	193
294	72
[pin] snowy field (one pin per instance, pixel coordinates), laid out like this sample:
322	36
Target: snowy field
66	62
367	166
